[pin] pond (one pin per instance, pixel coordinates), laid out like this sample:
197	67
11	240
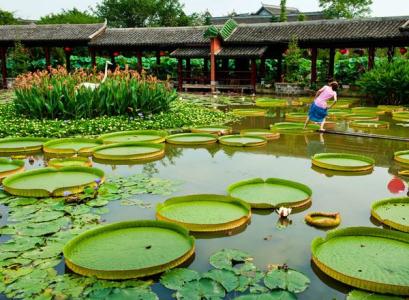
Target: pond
211	169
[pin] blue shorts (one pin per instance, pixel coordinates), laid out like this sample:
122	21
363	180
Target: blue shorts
317	114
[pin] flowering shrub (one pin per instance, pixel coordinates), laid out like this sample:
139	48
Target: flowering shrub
60	95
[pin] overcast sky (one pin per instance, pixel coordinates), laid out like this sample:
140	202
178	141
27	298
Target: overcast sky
33	9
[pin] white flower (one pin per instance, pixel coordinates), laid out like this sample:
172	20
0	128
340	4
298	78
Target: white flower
284	212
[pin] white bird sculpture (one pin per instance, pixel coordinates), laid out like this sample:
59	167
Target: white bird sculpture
93	86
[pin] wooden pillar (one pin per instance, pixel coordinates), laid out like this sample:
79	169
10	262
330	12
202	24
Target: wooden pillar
371	58
47	58
188	70
314	55
391	52
180	74
158	57
253	74
279	67
3	58
113	62
68	60
331	64
93	55
215	47
139	66
263	67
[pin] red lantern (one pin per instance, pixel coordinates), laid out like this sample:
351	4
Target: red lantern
68	49
396	186
344	51
403	50
162	53
116	53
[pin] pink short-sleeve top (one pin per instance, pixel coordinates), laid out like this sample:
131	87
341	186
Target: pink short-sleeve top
326	94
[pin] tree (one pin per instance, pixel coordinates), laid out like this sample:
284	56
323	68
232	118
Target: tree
283	12
73	16
7	18
301	17
143	13
336	9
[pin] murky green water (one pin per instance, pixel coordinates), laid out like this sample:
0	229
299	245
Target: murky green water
211	169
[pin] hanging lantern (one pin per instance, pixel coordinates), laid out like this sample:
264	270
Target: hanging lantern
344	51
68	49
403	50
359	51
162	53
116	53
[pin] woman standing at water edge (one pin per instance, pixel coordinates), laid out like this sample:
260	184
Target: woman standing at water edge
319	108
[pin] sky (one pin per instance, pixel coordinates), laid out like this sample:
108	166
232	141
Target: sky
34	9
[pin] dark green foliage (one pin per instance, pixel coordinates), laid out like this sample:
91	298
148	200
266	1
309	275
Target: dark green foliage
19	60
348	71
336	9
73	16
283	12
7	18
387	83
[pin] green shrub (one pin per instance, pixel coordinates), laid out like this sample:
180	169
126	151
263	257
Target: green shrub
59	95
387	83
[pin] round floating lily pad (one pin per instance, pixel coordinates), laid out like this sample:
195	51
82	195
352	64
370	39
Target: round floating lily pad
140	136
129	250
330	173
391	108
9	167
323	220
61	147
367	258
369	124
218	130
250	112
392	212
296	117
368	110
53	182
398	116
242	140
268	134
343	162
361	295
271	193
402	156
70	162
129	151
337	114
192	139
344	103
205	213
291	127
271	103
362	117
21	145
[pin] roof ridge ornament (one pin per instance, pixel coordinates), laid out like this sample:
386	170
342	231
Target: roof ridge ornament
225	32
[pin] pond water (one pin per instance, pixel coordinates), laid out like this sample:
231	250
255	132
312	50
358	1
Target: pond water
212	169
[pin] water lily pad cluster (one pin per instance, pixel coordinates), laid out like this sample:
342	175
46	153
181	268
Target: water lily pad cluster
234	273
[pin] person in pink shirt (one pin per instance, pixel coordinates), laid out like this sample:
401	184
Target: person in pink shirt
319	108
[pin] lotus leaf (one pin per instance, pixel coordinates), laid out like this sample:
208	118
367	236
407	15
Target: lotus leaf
41	229
15	263
175	279
201	289
368	258
286	279
132	294
48	251
393	212
77	209
226	278
20	244
11	275
23	202
47	263
270	193
249	276
97	202
343	162
226	258
144	136
46	216
361	295
275	295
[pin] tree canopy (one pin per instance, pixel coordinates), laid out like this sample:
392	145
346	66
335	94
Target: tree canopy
283	11
143	13
73	16
335	9
7	18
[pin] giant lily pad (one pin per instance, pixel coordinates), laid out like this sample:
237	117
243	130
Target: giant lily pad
368	110
290	127
205	213
21	145
192	139
81	146
343	162
250	112
337	114
129	151
362	117
391	108
218	130
53	182
243	140
10	167
402	156
70	162
129	250
271	102
271	193
369	124
141	136
268	134
392	212
402	116
361	295
367	258
296	117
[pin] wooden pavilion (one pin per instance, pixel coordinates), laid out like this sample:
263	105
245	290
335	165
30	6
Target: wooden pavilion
248	44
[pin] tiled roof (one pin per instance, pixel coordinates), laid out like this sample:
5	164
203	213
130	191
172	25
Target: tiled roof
50	33
243	51
191	52
152	36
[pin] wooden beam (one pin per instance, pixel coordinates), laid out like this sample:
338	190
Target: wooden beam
391	52
180	74
314	56
139	66
331	64
93	55
371	58
47	58
3	58
253	74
